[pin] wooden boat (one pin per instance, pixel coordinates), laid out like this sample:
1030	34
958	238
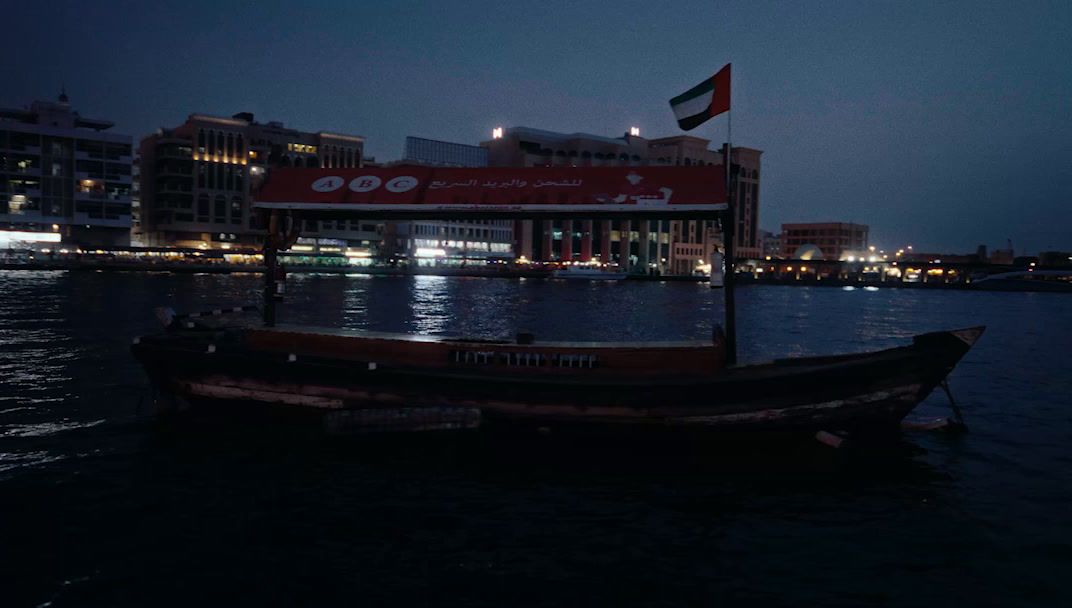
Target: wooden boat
400	382
362	381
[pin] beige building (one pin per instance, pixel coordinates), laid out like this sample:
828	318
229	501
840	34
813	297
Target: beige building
197	181
651	246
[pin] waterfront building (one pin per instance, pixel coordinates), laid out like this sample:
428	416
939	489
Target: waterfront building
451	242
835	240
771	244
653	246
64	178
197	181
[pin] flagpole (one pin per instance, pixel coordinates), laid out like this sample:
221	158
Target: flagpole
729	232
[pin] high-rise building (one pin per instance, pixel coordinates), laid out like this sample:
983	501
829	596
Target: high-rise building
197	181
63	178
450	241
835	240
661	246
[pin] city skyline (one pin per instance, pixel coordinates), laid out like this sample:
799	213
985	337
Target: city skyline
939	126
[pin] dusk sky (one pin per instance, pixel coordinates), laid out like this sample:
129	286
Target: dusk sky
942	125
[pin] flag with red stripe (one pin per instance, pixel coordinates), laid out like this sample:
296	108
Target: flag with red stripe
703	101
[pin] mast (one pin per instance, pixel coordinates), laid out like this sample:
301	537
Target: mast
729	234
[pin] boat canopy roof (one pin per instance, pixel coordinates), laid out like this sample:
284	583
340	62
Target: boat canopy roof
411	191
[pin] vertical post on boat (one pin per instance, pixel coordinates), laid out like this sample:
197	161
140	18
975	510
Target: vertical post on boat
729	232
271	267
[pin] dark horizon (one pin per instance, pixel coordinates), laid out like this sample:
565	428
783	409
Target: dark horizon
943	127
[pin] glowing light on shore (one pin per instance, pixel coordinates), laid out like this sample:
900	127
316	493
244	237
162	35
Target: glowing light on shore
430	252
8	236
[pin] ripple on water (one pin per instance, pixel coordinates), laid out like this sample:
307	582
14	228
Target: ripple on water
42	429
10	461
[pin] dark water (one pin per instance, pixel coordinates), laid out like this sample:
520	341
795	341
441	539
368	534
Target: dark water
101	505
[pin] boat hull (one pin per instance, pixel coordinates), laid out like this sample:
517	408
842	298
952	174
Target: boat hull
846	392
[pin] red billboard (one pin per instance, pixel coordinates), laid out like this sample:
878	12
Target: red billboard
558	190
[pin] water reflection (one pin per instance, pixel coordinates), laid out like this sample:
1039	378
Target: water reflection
462	514
430	304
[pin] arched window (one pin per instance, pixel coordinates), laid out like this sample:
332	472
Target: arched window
201	141
211	143
219	210
240	147
236	210
219	142
230	145
202	208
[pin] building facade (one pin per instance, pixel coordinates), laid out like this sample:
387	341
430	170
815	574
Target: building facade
836	240
63	177
771	244
451	242
649	246
199	178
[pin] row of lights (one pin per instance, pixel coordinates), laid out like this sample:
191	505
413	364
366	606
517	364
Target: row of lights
221	159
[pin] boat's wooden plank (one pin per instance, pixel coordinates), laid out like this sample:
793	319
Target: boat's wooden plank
355	333
541	359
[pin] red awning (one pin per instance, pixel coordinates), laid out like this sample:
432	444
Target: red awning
415	191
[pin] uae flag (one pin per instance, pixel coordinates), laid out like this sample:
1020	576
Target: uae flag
705	100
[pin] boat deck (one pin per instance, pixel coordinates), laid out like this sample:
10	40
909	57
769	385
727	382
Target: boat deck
431	352
374	335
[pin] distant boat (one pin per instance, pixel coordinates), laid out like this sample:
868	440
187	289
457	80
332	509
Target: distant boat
591	273
1026	280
